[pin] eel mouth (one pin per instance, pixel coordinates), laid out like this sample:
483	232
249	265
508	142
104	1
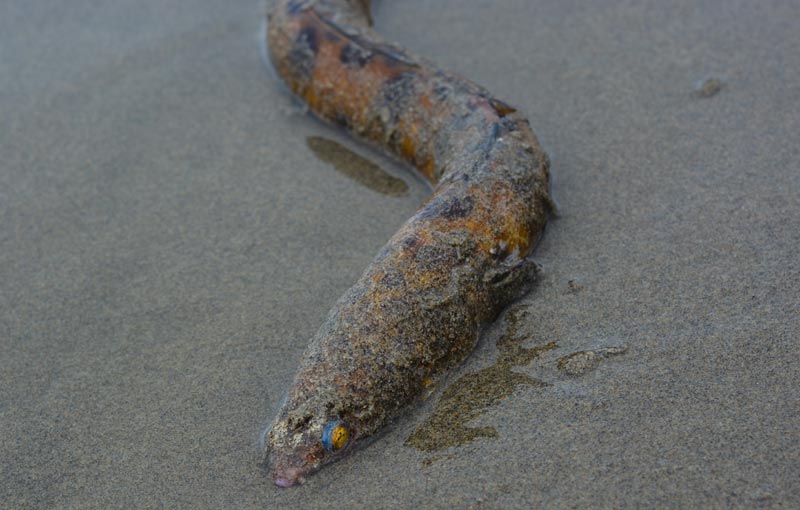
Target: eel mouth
288	470
288	477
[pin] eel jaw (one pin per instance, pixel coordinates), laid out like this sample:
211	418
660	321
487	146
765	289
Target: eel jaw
288	470
288	477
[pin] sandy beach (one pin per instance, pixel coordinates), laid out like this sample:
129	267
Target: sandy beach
174	228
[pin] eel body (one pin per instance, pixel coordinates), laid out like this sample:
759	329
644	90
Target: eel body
451	268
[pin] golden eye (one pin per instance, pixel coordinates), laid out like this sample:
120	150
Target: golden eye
335	435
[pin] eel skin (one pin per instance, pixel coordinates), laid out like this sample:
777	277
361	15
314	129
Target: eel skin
451	268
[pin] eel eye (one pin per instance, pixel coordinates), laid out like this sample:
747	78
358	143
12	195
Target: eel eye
335	436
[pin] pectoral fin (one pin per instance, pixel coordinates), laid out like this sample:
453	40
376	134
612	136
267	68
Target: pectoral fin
511	279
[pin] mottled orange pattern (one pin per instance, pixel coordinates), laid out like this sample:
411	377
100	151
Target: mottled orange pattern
451	268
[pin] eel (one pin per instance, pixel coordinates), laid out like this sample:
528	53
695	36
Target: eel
419	307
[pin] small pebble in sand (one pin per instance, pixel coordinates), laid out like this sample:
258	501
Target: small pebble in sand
574	286
580	362
707	87
761	495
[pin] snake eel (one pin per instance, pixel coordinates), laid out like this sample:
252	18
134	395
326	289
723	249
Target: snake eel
450	269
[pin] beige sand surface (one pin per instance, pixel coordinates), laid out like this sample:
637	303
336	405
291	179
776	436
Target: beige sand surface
169	242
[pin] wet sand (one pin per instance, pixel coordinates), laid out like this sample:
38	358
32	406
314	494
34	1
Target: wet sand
169	242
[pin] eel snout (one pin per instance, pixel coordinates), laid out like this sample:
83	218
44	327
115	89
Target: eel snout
288	471
288	477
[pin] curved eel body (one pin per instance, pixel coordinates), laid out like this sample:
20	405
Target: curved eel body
451	268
